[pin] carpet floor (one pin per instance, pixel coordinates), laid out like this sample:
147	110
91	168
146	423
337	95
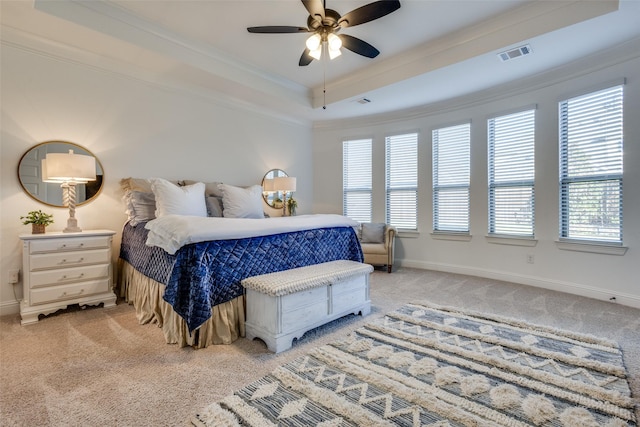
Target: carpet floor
100	367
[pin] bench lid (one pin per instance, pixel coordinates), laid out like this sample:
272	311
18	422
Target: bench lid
312	276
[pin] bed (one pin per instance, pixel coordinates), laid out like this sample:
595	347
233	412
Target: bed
183	272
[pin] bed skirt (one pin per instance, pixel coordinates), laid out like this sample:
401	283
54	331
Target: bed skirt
225	325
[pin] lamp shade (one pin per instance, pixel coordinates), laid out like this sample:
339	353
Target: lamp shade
284	183
267	185
63	167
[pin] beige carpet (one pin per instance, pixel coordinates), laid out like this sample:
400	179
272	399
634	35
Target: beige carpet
99	367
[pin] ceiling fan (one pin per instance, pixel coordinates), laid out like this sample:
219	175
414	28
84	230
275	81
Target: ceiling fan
326	23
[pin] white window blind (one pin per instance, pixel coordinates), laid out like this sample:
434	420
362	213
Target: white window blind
402	180
356	179
511	163
451	176
591	165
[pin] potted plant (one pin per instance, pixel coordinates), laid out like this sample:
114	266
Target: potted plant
38	220
292	204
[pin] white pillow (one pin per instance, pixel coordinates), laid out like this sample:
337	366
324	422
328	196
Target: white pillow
174	200
241	202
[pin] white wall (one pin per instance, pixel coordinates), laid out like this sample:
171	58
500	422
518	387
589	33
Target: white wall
595	275
136	127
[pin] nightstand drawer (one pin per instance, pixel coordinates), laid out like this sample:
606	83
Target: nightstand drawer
69	259
69	244
69	275
70	291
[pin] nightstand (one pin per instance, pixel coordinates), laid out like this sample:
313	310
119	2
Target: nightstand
60	269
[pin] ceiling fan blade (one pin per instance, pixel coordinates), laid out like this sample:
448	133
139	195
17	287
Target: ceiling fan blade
369	12
277	29
315	9
358	46
305	59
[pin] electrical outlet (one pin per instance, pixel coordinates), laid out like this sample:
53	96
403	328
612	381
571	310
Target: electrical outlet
530	259
13	276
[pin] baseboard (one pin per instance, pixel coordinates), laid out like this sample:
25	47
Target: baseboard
553	285
9	307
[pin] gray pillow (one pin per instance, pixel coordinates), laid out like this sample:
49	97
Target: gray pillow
142	207
358	230
214	206
373	232
210	188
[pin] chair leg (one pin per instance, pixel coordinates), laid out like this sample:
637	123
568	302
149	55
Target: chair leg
389	268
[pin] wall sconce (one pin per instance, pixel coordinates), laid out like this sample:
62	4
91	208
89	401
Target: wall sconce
286	184
69	170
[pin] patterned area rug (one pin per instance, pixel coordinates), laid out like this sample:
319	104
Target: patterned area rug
425	365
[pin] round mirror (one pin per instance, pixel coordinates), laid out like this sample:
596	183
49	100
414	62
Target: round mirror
30	175
271	197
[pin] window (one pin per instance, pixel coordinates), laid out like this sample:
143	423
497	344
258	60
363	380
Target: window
356	179
591	166
451	176
402	180
511	141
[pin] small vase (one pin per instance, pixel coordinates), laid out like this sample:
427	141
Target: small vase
37	228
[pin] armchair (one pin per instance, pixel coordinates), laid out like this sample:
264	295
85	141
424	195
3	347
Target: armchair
378	243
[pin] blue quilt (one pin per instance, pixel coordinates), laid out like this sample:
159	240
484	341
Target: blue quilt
202	275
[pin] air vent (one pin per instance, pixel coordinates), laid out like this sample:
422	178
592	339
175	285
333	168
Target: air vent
363	101
515	53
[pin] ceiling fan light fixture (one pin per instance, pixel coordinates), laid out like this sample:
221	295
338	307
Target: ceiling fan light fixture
334	42
314	42
323	24
316	53
334	53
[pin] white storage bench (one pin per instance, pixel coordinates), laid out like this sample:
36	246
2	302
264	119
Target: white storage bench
284	305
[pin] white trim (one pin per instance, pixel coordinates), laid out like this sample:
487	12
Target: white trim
594	248
9	307
450	235
118	22
622	53
538	282
410	234
51	50
491	35
511	240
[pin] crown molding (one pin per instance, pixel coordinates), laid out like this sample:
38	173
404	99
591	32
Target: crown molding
52	50
117	22
622	53
521	23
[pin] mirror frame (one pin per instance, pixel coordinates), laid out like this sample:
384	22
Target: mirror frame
270	197
74	146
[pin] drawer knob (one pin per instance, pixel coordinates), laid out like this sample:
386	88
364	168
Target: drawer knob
64	261
65	246
65	294
80	276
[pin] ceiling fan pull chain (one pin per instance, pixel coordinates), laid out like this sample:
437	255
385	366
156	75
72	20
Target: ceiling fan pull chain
324	84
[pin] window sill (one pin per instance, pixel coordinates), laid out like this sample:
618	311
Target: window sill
511	240
595	248
410	234
443	235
